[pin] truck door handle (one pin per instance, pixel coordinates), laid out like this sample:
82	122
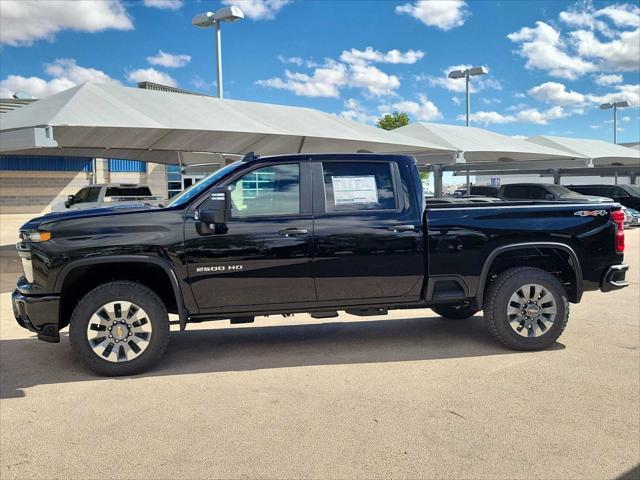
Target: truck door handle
290	232
402	228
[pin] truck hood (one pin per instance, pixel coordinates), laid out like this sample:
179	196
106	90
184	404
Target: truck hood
37	222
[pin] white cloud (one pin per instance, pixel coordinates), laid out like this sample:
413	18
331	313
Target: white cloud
170	60
65	74
164	4
556	93
607	39
628	92
626	119
442	14
328	79
622	53
202	85
527	115
151	75
294	60
24	21
543	48
595	127
355	111
456	100
424	110
604	79
373	80
325	81
458	84
259	9
369	55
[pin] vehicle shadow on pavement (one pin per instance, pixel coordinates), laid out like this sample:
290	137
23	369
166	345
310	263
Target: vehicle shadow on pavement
29	362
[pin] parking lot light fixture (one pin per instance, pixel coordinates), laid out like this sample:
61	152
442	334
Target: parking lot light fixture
469	72
214	19
615	106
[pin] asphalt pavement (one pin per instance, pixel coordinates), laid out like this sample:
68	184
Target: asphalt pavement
404	396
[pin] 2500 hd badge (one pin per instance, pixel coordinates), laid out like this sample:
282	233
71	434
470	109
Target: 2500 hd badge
219	268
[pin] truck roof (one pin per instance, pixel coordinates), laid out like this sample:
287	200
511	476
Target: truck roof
250	157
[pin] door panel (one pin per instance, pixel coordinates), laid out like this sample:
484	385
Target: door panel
371	251
265	255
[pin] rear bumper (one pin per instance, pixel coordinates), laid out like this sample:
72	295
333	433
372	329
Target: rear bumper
614	278
39	314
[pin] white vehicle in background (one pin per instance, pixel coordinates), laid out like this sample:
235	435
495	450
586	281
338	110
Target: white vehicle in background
109	195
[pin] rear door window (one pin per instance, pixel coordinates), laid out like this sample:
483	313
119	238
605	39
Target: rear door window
128	192
358	186
517	192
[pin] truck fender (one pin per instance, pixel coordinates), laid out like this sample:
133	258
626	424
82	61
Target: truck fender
520	246
173	279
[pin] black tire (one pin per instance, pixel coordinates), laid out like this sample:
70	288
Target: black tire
497	301
455	312
132	292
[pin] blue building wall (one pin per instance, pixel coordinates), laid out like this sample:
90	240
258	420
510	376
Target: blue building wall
38	163
121	165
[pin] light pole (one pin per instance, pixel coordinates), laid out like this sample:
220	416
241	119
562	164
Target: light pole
214	19
615	106
466	74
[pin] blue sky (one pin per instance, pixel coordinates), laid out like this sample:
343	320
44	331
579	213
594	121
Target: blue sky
550	63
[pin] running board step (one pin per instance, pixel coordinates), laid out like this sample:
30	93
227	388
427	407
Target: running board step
235	320
327	314
367	312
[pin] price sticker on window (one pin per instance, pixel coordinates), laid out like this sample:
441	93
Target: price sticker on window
349	190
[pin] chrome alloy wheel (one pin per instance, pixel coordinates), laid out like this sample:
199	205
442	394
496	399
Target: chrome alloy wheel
119	331
531	310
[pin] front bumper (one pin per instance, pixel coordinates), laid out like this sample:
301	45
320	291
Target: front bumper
39	314
614	279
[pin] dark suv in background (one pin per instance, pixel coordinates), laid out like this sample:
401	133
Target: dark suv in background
481	190
545	191
627	195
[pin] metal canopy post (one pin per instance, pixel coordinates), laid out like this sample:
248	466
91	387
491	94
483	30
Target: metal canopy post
437	180
556	176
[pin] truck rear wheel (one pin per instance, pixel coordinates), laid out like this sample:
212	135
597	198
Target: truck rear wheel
119	328
526	308
455	312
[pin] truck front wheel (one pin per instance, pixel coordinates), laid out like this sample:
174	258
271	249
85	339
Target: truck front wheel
119	328
526	308
455	312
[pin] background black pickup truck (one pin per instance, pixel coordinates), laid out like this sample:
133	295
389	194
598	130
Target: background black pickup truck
309	233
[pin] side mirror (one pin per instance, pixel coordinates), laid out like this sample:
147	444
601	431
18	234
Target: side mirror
70	201
549	196
216	210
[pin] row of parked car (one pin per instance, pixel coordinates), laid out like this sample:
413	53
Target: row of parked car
627	195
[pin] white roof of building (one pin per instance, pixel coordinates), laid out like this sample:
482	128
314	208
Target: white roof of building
97	120
601	153
480	145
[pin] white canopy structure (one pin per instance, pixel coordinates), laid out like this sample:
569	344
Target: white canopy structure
97	120
480	145
599	152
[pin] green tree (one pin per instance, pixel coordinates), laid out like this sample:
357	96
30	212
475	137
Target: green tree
393	120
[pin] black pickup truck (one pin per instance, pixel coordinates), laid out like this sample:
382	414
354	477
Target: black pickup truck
308	233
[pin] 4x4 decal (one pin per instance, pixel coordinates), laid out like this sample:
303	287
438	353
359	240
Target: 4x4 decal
591	213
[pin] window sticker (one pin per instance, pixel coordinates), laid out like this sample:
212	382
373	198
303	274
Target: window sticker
349	190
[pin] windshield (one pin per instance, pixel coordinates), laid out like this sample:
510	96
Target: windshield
197	188
632	189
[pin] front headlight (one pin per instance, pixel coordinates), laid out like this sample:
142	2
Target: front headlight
35	236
